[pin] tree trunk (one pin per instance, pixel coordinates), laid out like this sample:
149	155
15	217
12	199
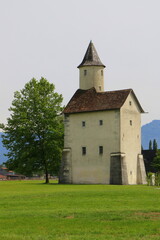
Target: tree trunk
45	164
47	177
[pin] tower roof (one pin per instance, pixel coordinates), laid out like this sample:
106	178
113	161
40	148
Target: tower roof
91	57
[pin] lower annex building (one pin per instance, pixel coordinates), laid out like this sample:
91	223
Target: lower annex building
102	142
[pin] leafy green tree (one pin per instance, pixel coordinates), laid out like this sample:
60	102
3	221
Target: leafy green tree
150	145
155	145
34	131
156	161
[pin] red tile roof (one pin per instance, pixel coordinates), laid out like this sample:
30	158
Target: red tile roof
90	100
2	177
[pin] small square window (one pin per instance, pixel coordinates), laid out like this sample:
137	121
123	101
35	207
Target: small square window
83	150
85	72
100	149
83	123
100	122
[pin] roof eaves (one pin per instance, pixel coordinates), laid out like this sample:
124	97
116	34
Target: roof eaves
87	111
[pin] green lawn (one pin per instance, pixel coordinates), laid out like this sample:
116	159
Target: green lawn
31	210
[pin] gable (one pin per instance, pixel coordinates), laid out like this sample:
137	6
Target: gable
132	103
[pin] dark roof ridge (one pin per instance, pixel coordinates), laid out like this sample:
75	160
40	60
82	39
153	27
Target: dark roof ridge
90	89
121	90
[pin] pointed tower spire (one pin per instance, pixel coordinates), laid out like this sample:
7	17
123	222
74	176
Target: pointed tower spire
91	57
91	70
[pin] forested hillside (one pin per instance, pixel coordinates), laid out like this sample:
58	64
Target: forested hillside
151	131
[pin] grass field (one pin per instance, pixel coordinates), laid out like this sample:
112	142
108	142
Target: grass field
31	210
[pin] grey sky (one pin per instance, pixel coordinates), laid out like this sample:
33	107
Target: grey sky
49	38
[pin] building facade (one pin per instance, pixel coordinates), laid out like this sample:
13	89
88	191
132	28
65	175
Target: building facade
102	142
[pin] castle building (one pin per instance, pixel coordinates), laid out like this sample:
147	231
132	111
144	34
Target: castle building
102	142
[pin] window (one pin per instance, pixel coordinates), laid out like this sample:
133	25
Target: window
100	149
100	122
101	72
100	88
85	72
83	150
131	122
83	123
130	103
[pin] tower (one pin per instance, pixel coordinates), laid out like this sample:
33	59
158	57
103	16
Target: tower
102	137
91	70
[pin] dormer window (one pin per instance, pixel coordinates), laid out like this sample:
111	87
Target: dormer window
85	72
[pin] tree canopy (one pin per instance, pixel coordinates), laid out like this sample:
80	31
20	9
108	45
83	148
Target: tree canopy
150	145
155	145
156	161
34	131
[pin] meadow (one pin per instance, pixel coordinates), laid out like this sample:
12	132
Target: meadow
31	210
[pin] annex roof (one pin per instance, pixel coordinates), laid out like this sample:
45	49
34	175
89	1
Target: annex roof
91	57
2	176
91	101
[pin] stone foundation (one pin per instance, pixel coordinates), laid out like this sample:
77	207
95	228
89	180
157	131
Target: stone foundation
65	169
118	169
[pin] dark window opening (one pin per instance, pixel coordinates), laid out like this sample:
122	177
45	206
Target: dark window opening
101	72
131	122
100	149
83	123
85	72
100	122
83	150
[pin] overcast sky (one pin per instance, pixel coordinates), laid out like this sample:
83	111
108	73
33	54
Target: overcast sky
49	38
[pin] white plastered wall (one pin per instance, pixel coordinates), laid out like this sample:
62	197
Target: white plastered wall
92	168
93	77
130	136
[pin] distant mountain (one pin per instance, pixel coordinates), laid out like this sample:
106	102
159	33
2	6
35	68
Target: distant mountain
151	131
2	151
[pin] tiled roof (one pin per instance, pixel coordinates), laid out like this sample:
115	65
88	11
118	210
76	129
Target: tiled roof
2	176
91	57
90	100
